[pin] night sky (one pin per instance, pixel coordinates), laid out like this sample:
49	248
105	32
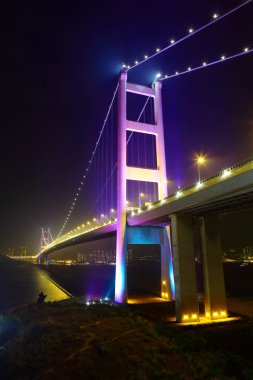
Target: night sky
61	61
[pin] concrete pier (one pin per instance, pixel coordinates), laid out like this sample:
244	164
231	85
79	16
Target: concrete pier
215	296
184	269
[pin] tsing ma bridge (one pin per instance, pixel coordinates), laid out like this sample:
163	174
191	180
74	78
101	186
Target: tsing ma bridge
167	220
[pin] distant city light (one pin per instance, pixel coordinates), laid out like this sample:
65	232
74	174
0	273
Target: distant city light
191	30
215	15
223	57
158	49
158	75
172	41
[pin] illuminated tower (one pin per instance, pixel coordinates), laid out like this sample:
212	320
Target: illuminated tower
45	239
125	173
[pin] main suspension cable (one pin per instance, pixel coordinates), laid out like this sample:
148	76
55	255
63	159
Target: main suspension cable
192	32
223	58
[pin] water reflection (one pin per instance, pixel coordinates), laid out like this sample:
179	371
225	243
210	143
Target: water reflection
20	283
43	283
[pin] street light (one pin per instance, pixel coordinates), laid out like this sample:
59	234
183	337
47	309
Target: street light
200	160
95	222
102	218
112	212
141	195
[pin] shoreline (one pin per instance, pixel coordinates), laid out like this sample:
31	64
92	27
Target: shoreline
66	339
241	307
58	286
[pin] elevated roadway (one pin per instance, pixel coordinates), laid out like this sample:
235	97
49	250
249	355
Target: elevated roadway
228	190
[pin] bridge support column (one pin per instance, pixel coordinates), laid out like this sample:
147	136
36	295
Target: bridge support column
167	275
187	309
121	243
215	295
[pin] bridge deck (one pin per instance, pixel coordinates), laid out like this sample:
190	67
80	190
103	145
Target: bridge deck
227	190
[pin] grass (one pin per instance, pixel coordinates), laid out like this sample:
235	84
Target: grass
69	340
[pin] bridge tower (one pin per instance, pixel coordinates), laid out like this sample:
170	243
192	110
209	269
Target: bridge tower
45	239
125	234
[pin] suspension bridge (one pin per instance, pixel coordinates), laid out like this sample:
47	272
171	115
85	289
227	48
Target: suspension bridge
127	179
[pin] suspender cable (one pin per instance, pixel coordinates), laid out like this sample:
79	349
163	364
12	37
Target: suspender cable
115	166
88	166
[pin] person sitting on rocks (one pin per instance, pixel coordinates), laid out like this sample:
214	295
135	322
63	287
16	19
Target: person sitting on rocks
41	297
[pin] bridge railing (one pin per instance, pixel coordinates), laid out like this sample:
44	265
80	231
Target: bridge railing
220	176
79	230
